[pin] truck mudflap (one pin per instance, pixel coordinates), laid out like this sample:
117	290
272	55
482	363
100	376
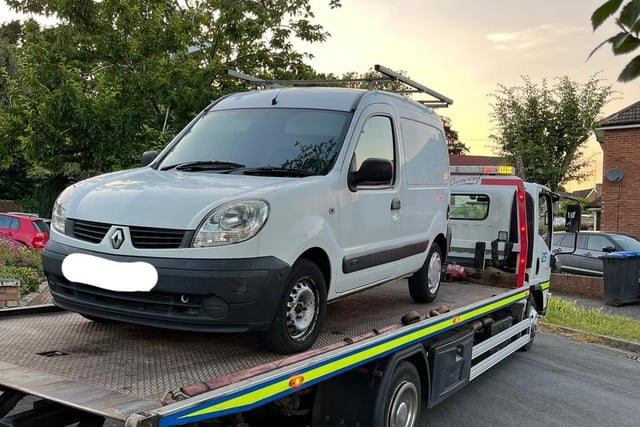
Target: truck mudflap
258	390
538	292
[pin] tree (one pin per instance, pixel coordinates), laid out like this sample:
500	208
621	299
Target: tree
9	37
454	145
628	39
14	180
542	129
116	77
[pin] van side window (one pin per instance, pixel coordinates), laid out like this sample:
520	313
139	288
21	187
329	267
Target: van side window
425	153
376	141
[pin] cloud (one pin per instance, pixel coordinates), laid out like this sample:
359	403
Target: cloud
502	37
531	37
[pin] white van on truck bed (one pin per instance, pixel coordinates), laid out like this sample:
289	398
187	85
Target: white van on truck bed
265	207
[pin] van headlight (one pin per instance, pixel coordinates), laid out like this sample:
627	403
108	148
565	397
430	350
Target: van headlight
59	214
232	222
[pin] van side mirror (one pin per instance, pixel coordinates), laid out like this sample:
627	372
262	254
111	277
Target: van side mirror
572	218
608	249
148	157
372	172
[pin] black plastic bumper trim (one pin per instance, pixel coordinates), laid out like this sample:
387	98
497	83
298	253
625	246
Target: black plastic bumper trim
210	295
362	261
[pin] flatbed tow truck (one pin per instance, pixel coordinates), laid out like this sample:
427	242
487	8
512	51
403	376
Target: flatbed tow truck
379	360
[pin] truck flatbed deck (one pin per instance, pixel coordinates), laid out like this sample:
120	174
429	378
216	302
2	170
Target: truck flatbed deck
116	369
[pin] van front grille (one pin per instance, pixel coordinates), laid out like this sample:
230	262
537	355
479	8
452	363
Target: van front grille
141	237
156	238
92	232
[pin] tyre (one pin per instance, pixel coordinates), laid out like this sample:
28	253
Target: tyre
301	312
403	399
424	284
533	314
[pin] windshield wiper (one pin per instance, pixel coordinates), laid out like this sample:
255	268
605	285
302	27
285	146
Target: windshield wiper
271	170
203	165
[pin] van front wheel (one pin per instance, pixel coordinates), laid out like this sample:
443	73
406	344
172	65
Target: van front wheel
424	284
301	312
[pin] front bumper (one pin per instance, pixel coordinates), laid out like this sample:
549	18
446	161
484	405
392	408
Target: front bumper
208	295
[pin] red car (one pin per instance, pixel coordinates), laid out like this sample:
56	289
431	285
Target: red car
28	230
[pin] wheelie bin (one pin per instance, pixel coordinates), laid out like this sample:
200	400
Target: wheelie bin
621	272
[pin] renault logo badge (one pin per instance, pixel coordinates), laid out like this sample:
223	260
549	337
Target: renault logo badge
117	238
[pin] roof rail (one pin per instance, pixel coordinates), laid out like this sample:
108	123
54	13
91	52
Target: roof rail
388	75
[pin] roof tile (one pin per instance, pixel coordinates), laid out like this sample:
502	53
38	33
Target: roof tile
627	116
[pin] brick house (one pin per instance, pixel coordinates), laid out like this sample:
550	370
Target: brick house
619	137
590	215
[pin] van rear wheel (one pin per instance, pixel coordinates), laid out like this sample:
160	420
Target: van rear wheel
301	312
424	284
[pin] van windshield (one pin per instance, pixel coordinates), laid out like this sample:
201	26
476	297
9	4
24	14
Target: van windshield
296	139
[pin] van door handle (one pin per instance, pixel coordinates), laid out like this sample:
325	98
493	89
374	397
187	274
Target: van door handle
395	204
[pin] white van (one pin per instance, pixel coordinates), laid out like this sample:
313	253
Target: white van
266	206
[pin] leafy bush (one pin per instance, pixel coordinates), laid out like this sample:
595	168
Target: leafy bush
21	263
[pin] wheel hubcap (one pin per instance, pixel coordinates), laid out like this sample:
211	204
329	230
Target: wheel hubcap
435	269
302	309
403	410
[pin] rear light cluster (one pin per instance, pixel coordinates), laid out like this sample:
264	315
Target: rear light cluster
39	240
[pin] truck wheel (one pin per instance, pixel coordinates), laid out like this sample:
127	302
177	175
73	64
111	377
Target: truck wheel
301	313
424	284
402	403
533	314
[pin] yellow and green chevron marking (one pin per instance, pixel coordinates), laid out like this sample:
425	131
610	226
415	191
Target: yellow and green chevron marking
261	393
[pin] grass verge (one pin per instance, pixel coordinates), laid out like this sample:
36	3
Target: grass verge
561	312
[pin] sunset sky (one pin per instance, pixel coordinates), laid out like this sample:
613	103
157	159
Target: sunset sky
465	48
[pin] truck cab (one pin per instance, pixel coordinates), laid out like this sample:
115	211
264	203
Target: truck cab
497	220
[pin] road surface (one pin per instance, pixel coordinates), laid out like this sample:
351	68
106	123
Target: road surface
558	383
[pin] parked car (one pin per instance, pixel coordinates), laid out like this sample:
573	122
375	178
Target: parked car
590	246
27	230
